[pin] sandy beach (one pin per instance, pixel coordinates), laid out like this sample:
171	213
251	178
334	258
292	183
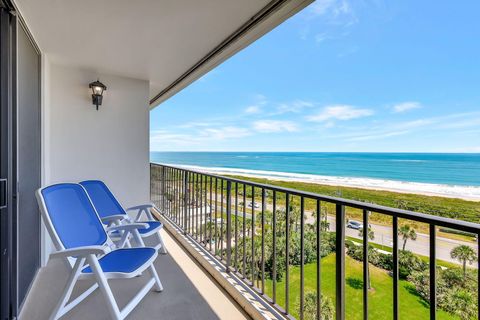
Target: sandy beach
470	193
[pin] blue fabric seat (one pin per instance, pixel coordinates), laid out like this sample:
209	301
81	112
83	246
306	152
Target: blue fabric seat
124	260
112	213
152	225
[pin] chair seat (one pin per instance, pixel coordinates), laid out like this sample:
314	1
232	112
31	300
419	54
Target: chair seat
152	226
124	260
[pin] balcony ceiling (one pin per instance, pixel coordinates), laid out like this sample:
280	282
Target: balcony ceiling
144	39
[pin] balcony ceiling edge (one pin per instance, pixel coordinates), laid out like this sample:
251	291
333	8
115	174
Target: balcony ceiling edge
268	18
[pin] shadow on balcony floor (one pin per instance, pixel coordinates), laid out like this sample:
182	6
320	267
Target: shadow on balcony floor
189	293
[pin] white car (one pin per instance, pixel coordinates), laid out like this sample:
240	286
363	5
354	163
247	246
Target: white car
255	204
354	225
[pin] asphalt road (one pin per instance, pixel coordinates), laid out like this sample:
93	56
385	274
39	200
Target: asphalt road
383	236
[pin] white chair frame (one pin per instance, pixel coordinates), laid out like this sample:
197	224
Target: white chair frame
122	219
90	255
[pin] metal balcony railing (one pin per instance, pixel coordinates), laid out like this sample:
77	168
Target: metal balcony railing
229	217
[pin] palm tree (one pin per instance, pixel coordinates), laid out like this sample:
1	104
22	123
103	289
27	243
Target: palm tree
407	232
371	236
370	233
464	253
324	225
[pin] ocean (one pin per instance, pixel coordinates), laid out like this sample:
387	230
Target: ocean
423	172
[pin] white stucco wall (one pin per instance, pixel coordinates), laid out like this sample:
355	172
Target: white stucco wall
111	144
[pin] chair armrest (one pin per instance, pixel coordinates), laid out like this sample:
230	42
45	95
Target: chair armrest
128	227
114	218
79	252
141	207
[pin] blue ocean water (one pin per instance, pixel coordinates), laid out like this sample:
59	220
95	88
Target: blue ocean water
450	169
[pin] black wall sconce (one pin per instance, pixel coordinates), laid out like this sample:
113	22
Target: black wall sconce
97	89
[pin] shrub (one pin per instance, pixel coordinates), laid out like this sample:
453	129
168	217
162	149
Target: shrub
310	307
408	263
327	243
461	303
456	294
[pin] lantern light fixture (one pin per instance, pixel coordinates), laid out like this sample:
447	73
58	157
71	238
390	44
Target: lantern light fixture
97	92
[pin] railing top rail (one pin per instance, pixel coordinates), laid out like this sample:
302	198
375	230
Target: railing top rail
405	214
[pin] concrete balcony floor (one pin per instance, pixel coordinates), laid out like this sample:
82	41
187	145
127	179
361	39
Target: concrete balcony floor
189	292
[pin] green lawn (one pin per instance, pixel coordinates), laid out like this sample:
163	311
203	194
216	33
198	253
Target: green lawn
380	297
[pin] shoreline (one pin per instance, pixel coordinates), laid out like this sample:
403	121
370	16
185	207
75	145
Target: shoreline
468	193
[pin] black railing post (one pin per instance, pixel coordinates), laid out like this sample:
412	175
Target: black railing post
229	225
185	202
274	249
236	228
287	253
433	276
478	275
395	268
366	275
163	189
319	260
340	261
252	232
302	257
244	228
151	183
264	204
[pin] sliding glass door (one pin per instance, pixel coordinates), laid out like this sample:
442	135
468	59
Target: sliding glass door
6	158
20	161
27	164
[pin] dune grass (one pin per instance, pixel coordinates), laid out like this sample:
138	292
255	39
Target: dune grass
411	306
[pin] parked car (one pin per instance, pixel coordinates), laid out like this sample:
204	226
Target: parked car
354	225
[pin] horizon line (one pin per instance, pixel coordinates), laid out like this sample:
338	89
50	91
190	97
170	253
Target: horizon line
411	152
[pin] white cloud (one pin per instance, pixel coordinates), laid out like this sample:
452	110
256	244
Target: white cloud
320	7
327	19
256	107
225	133
339	112
324	7
164	137
336	11
406	106
382	135
382	130
169	138
274	126
469	149
472	121
253	109
194	125
295	106
320	37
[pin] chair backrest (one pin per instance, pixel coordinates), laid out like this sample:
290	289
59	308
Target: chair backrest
102	198
70	216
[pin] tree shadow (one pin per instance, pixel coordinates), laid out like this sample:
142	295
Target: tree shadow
355	283
413	291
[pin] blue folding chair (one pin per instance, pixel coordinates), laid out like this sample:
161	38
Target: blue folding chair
80	238
112	213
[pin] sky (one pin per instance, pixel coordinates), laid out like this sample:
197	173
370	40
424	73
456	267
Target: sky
340	76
